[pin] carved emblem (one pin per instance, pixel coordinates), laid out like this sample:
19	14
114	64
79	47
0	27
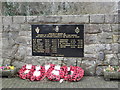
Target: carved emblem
37	30
57	29
77	30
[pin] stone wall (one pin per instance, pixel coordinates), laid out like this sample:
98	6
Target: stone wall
100	49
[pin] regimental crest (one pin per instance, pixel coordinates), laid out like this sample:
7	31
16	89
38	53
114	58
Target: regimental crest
57	29
77	30
37	30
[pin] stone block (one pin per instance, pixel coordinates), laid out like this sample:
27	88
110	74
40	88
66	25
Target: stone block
60	58
25	27
5	43
5	35
1	61
13	50
56	62
115	27
79	62
111	59
118	55
52	62
21	40
105	37
115	47
119	63
92	56
6	28
89	67
116	38
0	45
15	27
1	21
7	20
12	35
12	27
101	56
49	19
91	39
41	62
97	18
119	39
19	19
28	59
40	59
0	34
6	54
106	27
93	48
83	19
99	70
23	33
29	41
29	50
100	47
92	28
100	63
75	19
109	18
31	19
88	49
8	39
21	53
1	28
29	33
51	58
108	47
35	62
117	18
1	25
1	50
18	64
6	61
70	61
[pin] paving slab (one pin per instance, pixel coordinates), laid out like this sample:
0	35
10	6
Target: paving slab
85	82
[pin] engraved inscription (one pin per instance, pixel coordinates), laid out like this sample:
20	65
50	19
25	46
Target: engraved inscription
58	40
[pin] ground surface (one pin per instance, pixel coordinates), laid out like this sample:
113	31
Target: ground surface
86	82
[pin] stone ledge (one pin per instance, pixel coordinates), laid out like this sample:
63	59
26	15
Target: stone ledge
97	18
58	19
50	19
65	19
19	19
75	18
7	20
111	18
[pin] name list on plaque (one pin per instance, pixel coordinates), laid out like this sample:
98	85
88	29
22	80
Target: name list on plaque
58	40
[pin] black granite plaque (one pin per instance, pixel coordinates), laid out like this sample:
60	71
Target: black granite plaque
58	40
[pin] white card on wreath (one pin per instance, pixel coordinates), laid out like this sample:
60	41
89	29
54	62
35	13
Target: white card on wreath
26	71
55	72
28	66
37	67
36	73
57	67
47	67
